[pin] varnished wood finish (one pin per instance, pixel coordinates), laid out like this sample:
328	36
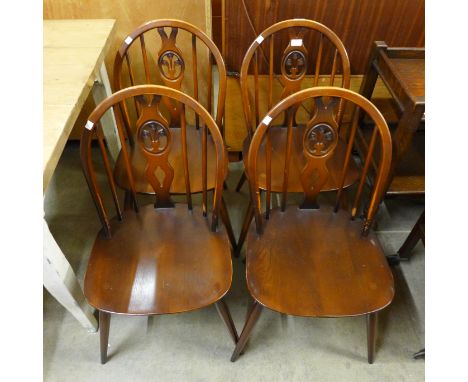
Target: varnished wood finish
104	325
315	263
298	160
225	315
252	317
194	150
291	68
166	258
317	260
170	66
371	320
357	24
157	262
276	158
403	72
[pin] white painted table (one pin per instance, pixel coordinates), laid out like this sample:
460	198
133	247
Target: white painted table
74	52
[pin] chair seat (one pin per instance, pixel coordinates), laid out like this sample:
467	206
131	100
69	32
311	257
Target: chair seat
298	161
158	261
194	154
316	263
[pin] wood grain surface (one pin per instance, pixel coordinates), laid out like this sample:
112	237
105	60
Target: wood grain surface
129	15
357	23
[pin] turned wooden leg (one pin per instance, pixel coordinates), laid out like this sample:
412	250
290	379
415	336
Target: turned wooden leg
241	181
249	325
104	324
245	227
371	333
227	224
225	315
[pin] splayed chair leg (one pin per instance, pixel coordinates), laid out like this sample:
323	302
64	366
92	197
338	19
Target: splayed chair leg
241	182
227	224
104	324
249	325
245	227
225	315
371	334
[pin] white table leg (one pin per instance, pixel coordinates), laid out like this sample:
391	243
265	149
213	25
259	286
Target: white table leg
101	91
61	282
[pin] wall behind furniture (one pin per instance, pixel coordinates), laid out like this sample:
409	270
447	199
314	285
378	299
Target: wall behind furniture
130	14
358	23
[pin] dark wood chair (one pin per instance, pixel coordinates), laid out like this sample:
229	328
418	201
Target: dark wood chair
311	260
161	258
313	55
170	65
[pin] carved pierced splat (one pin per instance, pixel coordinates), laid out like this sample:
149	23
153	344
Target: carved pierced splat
154	138
293	63
171	67
319	141
293	67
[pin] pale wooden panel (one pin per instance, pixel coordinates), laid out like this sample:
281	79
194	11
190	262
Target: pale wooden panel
130	14
69	72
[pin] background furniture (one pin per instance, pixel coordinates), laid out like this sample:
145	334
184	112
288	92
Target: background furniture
129	14
307	47
357	24
316	260
402	71
163	258
74	52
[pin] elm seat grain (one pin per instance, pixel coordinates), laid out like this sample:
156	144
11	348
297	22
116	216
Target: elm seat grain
162	258
310	259
319	258
141	270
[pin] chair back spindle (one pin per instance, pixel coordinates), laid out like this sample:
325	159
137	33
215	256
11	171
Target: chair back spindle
306	39
154	139
319	141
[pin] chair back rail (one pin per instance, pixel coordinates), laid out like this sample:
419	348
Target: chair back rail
170	65
154	138
296	63
318	141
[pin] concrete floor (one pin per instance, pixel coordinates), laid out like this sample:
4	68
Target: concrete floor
196	346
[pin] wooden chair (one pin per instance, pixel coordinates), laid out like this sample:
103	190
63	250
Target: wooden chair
166	258
170	66
311	48
317	261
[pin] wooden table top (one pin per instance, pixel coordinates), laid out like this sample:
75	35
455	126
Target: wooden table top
73	53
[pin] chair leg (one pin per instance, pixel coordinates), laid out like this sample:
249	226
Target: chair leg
128	200
249	325
104	324
225	315
245	227
415	235
371	333
227	224
241	182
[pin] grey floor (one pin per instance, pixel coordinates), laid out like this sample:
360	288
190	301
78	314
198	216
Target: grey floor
196	347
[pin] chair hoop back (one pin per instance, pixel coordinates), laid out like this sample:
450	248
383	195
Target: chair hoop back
319	140
294	64
154	139
171	64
